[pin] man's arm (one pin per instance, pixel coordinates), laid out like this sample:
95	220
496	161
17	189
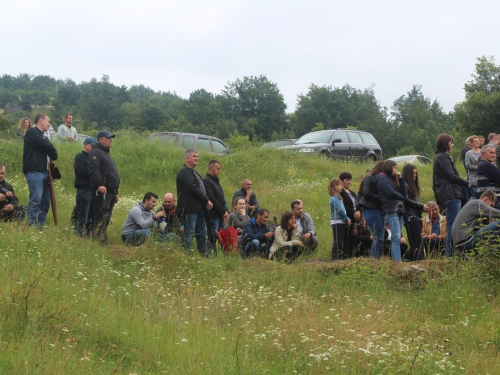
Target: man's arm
310	225
190	185
94	169
37	140
491	171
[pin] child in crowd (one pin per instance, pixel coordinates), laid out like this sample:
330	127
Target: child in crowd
338	216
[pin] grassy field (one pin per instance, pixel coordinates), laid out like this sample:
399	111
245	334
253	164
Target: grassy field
71	306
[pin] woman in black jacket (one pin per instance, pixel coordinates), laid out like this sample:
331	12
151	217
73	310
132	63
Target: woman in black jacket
447	184
413	213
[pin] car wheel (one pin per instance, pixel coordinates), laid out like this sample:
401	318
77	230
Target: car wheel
371	159
325	155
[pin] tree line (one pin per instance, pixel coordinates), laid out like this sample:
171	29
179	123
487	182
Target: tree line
254	107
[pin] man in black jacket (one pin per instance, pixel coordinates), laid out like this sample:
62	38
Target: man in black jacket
192	200
105	181
8	200
82	184
215	193
37	153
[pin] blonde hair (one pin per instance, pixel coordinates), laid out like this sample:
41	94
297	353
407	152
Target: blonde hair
331	187
21	124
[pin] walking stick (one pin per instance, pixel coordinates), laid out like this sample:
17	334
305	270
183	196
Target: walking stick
52	196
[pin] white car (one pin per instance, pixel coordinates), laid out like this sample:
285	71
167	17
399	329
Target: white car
412	159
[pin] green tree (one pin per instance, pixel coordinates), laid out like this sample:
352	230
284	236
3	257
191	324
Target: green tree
202	108
480	112
256	101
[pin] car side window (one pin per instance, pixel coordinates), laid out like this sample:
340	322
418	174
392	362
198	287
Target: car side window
355	137
369	139
342	136
204	144
188	141
167	138
219	148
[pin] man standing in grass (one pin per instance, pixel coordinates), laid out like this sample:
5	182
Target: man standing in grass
192	203
216	195
105	182
140	218
83	186
305	225
247	193
37	153
66	131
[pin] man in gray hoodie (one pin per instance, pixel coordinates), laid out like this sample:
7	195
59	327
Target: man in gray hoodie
475	221
141	217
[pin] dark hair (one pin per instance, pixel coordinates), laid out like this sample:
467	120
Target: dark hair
388	164
213	162
262	211
345	175
443	142
190	151
40	117
66	117
377	168
148	197
413	186
294	203
286	216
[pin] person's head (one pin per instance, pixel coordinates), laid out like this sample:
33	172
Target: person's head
391	170
168	201
335	187
149	201
492	137
88	143
239	204
445	143
489	198
68	119
287	220
346	179
262	216
297	208
246	185
42	122
191	158
105	138
474	141
488	153
481	140
2	172
433	210
25	124
410	175
214	167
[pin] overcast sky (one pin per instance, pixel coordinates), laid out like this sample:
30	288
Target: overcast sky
186	45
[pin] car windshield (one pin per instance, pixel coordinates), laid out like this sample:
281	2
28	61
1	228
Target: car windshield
319	137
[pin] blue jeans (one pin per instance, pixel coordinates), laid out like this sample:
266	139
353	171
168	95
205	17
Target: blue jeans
39	201
137	237
194	226
395	222
375	222
490	233
254	247
83	200
451	206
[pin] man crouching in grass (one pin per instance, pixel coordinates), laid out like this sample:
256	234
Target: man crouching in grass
141	217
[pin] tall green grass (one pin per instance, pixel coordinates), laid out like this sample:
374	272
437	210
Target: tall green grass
69	305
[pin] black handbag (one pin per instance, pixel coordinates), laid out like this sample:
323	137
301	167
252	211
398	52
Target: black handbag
54	171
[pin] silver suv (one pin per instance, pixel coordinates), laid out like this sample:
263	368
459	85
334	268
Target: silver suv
339	143
189	140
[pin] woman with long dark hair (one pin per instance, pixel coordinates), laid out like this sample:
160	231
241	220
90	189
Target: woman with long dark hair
372	209
388	187
287	243
413	213
447	184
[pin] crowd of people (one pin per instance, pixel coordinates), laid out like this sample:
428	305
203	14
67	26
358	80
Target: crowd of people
367	223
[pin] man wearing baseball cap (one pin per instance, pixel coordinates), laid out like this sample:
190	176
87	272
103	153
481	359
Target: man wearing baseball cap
105	181
82	184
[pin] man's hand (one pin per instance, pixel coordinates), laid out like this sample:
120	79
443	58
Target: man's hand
102	190
117	198
209	205
249	194
269	234
2	197
9	208
403	241
357	215
160	214
301	244
9	194
306	236
226	215
433	236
